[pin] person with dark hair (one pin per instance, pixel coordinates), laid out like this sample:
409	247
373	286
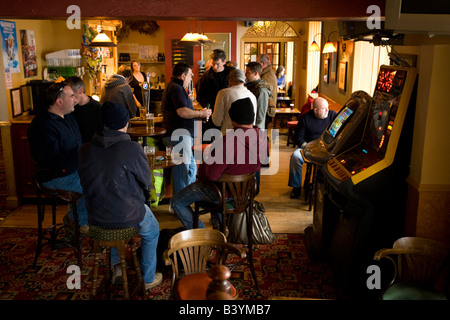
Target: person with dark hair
55	139
117	89
114	172
281	78
212	81
249	145
260	89
137	79
87	110
179	117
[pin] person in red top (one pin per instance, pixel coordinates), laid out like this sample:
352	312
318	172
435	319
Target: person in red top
240	151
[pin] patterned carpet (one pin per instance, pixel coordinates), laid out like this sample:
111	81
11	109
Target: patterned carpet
283	269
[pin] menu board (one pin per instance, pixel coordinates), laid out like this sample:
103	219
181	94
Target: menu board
182	53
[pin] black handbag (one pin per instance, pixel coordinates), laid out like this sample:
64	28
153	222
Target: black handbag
237	226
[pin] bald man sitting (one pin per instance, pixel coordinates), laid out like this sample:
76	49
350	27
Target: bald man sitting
310	126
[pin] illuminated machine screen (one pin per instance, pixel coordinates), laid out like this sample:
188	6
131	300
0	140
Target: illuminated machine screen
339	121
381	122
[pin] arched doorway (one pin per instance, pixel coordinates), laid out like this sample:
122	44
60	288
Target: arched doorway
277	39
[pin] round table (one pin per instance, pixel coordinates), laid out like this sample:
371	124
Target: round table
136	132
164	164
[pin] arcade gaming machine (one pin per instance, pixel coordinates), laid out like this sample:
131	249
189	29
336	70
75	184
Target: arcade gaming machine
363	193
343	133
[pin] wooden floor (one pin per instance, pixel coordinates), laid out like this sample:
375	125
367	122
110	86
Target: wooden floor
285	215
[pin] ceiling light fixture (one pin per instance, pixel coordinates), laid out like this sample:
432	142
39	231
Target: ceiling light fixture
102	40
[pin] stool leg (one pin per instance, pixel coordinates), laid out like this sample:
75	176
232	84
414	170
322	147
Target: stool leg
137	265
121	251
96	262
41	211
77	245
108	273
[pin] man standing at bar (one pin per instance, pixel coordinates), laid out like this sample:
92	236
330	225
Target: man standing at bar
269	76
260	89
55	139
179	113
227	96
212	81
87	110
117	89
114	171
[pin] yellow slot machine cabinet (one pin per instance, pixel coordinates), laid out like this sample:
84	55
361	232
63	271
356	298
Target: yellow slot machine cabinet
364	189
343	133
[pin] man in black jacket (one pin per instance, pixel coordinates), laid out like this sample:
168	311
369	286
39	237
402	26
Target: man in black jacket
212	81
310	126
55	139
114	171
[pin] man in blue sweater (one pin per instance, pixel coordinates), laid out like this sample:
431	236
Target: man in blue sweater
310	126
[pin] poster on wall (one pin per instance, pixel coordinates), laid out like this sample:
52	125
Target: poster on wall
28	43
9	45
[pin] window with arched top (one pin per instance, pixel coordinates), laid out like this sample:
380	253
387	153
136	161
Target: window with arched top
266	30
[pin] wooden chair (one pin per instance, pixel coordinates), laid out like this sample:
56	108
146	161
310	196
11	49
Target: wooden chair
53	234
188	253
236	194
421	270
118	238
291	133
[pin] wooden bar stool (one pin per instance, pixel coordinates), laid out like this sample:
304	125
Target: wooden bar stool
118	238
291	130
310	183
52	235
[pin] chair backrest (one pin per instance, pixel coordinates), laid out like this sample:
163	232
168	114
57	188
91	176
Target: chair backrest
192	248
424	262
241	188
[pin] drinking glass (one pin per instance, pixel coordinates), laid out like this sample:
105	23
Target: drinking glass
150	121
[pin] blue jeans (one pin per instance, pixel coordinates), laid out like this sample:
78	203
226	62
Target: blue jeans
71	183
149	232
181	202
295	169
185	173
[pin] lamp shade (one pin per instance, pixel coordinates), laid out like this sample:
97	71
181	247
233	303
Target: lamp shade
329	47
102	40
314	47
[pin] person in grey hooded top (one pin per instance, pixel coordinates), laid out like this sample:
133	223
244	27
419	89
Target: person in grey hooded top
118	90
113	172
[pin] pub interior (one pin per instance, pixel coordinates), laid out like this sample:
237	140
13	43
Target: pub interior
352	217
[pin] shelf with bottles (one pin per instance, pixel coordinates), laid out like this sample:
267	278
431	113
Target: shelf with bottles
127	58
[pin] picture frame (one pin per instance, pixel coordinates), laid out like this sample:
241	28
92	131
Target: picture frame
342	76
333	63
26	98
326	64
16	102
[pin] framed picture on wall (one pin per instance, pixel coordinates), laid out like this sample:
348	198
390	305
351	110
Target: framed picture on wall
342	76
326	69
333	63
16	102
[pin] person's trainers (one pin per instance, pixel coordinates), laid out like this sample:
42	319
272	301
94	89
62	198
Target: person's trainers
156	282
295	193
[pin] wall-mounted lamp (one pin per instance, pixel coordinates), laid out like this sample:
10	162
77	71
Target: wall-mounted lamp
327	48
102	40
